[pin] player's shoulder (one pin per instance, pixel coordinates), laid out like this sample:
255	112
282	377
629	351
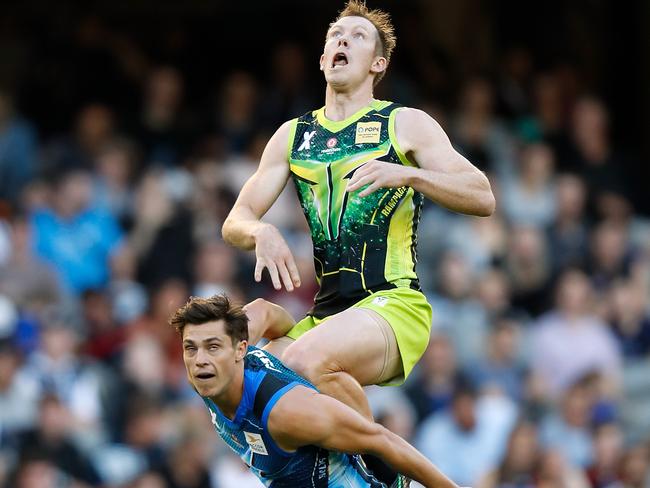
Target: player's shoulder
415	127
412	116
277	145
295	402
285	128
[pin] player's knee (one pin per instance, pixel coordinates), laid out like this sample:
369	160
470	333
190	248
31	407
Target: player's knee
257	312
309	364
257	307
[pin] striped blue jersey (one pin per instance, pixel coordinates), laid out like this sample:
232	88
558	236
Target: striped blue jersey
266	380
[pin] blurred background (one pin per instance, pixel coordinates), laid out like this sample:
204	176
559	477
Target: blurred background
126	131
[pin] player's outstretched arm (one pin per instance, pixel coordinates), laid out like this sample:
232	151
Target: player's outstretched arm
243	227
303	417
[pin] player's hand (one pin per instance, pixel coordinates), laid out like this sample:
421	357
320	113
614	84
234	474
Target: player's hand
379	174
272	253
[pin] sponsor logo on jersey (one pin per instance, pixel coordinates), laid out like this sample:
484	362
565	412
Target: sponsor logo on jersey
265	359
331	142
394	201
215	422
306	140
367	132
381	301
256	443
322	468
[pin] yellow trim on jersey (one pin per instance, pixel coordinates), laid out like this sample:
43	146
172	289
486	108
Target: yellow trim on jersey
338	125
393	139
380	105
349	269
292	135
399	260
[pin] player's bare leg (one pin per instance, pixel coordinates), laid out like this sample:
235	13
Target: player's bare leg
351	349
267	320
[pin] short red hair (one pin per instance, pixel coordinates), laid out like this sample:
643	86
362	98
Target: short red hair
381	21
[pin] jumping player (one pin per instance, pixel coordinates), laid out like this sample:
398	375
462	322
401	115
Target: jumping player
361	168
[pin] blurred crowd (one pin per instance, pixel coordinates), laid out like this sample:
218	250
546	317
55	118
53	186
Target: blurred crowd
538	368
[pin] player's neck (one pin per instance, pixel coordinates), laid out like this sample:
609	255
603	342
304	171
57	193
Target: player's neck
229	400
341	104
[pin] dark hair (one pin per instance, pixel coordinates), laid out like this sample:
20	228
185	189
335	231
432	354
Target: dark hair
199	310
464	387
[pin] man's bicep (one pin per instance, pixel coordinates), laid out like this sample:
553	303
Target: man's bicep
292	422
351	432
426	143
265	185
307	418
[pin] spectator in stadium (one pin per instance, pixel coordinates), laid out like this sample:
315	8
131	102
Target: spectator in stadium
161	128
501	369
290	91
528	266
629	319
608	452
77	239
29	281
601	166
528	195
58	368
611	256
555	355
235	114
52	438
481	137
18	149
554	471
433	384
568	233
635	467
19	394
467	440
215	267
458	314
114	174
493	292
94	129
568	431
519	464
162	234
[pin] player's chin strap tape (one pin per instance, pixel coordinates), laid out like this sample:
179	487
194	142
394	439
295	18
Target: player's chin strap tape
269	385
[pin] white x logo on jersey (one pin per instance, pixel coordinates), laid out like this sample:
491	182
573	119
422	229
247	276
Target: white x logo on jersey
307	137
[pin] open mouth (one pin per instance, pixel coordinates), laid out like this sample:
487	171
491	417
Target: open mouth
204	376
340	59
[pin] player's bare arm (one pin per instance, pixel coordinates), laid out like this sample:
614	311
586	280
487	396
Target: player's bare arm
304	417
443	175
243	227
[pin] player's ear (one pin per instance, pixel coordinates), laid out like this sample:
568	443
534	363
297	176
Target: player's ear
321	62
241	349
379	65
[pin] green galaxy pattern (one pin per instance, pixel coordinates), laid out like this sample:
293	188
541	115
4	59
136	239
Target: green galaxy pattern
342	224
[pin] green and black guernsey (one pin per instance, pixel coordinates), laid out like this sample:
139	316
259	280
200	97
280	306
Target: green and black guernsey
361	245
